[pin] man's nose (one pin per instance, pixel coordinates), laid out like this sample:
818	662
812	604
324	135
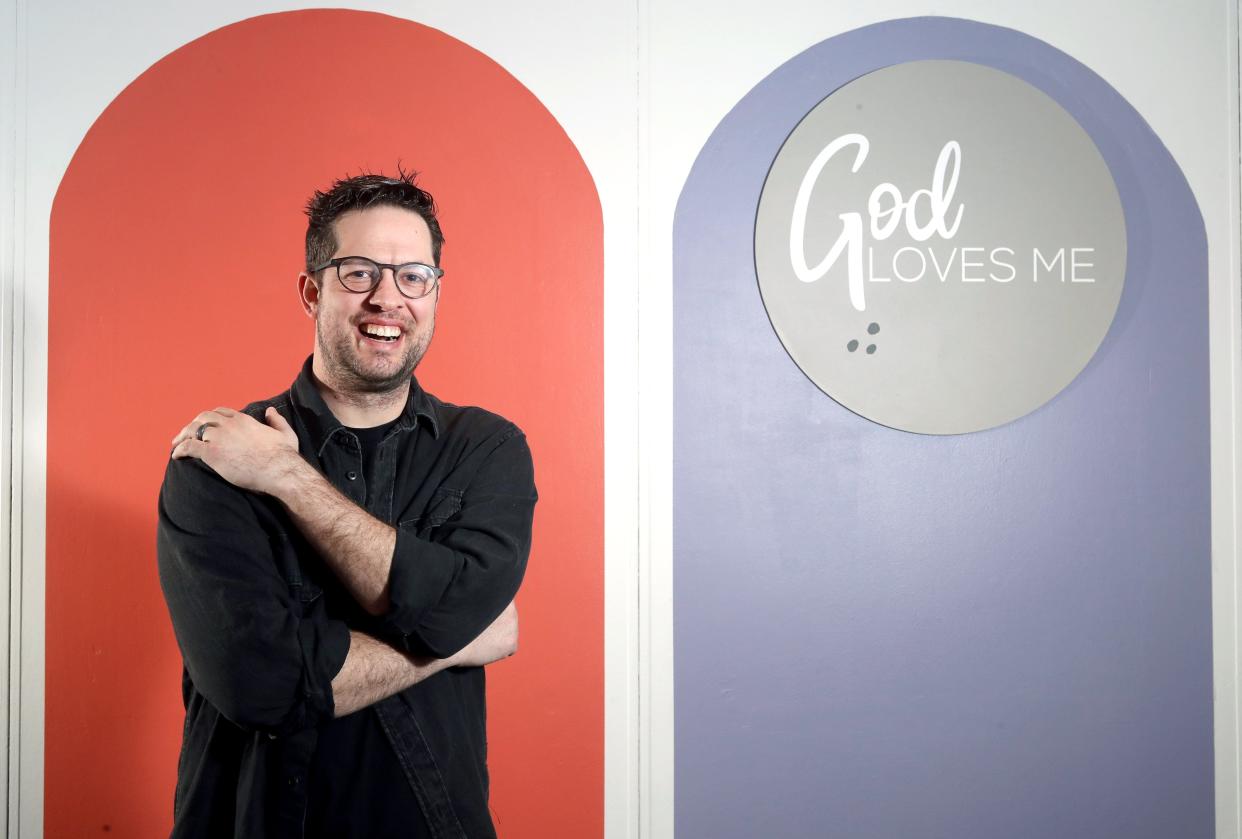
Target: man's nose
385	294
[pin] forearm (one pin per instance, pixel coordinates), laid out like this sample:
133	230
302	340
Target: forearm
357	546
373	671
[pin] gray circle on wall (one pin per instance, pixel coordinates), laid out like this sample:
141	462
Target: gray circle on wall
940	247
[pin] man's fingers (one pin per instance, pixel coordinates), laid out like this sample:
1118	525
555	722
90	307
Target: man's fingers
189	447
276	420
214	417
182	434
211	416
188	432
200	433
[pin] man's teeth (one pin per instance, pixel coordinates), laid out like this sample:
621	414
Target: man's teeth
377	331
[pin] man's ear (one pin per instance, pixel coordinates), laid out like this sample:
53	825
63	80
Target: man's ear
308	293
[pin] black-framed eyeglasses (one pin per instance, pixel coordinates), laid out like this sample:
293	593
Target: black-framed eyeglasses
360	275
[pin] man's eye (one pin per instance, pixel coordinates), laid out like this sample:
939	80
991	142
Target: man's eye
358	274
416	273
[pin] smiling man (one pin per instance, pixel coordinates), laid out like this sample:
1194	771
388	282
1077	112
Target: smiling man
340	560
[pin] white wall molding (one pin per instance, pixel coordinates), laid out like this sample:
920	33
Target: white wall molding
1225	298
655	451
22	801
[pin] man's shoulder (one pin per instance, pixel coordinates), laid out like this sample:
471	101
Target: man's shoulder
280	402
470	421
191	478
192	488
479	444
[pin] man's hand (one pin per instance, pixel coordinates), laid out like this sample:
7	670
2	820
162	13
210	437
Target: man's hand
496	642
245	452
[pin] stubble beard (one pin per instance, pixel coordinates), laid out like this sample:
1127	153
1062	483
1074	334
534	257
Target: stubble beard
349	374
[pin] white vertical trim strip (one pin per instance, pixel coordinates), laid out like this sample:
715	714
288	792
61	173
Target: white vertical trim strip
642	218
655	554
623	495
10	470
1225	326
26	620
30	438
23	777
25	395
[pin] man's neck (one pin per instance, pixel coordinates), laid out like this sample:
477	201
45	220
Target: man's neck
357	409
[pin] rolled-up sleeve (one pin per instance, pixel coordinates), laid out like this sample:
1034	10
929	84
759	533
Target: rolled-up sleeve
447	585
263	658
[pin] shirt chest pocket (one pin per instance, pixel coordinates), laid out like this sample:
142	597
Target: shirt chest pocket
444	504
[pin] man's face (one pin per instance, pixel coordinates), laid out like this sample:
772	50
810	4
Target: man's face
347	358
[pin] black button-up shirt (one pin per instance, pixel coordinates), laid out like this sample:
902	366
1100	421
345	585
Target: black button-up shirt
263	625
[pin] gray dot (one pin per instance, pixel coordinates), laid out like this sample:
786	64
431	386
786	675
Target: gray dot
871	349
873	328
851	346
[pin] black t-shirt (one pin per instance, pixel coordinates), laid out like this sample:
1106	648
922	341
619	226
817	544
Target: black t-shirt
357	786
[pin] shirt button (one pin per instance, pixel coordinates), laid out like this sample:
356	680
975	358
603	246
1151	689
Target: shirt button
353	476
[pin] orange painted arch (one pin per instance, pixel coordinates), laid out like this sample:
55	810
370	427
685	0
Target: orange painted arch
176	239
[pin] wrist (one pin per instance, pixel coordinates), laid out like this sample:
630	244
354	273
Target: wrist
291	475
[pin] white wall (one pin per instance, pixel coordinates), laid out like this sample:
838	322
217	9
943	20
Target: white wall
639	88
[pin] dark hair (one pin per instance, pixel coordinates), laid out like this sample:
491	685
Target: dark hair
359	193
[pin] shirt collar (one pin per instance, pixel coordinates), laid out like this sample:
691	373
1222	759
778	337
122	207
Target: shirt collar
321	423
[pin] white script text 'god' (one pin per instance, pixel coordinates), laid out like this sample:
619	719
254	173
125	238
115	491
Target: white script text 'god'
886	209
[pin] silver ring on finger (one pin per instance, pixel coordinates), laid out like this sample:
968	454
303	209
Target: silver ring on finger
202	429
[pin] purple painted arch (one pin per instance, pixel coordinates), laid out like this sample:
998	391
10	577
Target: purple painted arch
880	634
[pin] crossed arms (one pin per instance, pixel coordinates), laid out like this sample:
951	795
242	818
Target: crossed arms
266	654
